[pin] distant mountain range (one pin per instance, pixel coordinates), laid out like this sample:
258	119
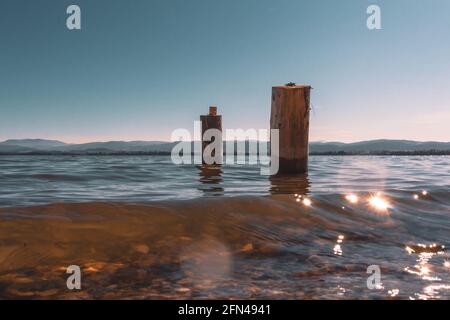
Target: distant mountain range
40	146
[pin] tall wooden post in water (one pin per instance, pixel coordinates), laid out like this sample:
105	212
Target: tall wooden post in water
212	121
290	115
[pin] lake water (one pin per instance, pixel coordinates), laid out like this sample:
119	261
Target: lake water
141	227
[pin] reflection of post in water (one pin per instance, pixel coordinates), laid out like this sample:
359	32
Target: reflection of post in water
290	184
210	177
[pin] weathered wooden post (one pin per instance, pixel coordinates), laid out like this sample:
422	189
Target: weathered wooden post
290	115
212	121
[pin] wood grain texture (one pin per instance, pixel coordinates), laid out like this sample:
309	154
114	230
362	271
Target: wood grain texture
290	115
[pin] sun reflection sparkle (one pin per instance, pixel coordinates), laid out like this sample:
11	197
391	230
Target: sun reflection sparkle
379	203
307	202
352	198
337	250
393	292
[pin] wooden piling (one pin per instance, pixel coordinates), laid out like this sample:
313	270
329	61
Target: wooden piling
211	121
290	115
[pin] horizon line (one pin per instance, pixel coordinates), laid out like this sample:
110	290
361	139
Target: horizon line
262	140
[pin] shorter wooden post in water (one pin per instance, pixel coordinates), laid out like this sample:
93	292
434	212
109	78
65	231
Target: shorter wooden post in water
212	121
290	115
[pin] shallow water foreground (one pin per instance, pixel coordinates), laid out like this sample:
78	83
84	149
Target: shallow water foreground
271	247
142	228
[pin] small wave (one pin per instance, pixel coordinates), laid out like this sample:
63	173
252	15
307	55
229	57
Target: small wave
263	242
58	177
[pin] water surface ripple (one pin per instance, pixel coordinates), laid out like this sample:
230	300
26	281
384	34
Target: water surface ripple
141	227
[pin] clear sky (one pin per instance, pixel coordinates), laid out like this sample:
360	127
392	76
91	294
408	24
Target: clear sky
139	69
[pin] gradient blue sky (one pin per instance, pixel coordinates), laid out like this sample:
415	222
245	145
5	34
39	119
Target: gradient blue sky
139	69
